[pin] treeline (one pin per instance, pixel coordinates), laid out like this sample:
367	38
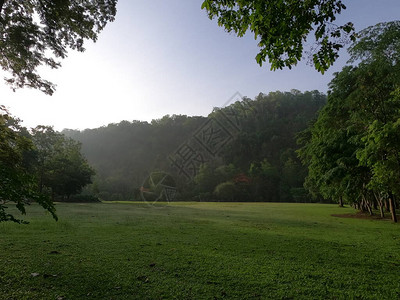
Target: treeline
255	161
124	154
353	150
38	165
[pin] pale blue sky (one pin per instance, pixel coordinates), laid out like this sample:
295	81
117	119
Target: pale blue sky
166	57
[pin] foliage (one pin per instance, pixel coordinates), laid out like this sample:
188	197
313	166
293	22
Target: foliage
206	180
61	166
381	41
35	33
352	149
36	165
265	148
265	180
282	27
17	184
124	154
226	191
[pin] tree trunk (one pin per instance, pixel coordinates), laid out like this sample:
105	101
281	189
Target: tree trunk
367	206
362	205
381	210
379	200
340	201
371	213
392	207
386	205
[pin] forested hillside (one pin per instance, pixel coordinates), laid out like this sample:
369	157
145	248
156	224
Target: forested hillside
250	157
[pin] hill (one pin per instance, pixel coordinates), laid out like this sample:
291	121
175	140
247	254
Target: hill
248	145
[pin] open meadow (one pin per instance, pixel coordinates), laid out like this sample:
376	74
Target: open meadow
199	251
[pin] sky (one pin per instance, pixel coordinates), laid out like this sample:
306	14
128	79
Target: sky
166	57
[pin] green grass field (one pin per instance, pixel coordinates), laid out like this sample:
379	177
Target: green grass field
199	251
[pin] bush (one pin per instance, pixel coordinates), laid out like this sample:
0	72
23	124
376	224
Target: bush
226	191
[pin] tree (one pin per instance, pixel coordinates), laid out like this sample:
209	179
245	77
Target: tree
206	180
226	191
34	33
61	167
382	154
265	180
330	147
376	43
353	148
281	27
45	140
17	184
292	176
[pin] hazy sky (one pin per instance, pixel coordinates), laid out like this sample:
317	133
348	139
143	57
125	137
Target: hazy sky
166	57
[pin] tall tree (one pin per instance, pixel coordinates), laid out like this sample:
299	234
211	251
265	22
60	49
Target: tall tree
330	147
18	185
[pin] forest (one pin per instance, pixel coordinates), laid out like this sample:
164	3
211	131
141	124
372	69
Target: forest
256	162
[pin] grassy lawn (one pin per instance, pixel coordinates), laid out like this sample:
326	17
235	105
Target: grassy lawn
199	251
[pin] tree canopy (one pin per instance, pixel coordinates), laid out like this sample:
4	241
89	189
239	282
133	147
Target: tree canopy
35	33
18	184
259	161
281	28
61	167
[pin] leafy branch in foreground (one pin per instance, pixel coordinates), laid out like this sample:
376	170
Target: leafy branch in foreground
35	33
282	27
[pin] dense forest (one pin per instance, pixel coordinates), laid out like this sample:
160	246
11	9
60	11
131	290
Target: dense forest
250	157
